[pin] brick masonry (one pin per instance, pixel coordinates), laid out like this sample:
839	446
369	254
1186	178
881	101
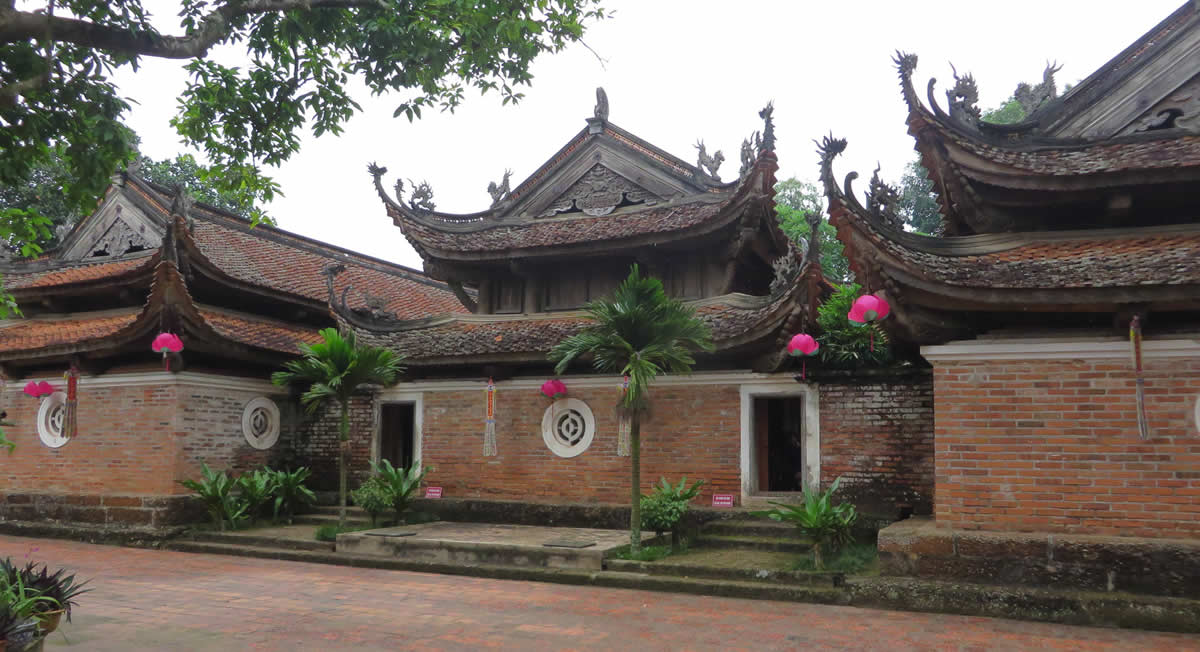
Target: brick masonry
877	435
135	442
1053	446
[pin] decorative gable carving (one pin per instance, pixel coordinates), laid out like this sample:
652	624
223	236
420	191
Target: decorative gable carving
1179	110
598	192
120	238
118	228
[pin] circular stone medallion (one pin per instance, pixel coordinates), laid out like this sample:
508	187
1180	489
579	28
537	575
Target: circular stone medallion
51	419
260	423
568	427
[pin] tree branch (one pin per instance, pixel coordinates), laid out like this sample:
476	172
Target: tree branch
10	93
18	26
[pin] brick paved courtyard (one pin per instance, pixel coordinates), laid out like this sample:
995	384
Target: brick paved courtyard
159	600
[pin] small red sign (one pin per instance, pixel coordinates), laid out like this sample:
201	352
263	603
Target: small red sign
433	492
722	500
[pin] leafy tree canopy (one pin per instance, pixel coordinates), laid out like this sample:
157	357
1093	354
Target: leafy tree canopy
795	200
57	97
918	204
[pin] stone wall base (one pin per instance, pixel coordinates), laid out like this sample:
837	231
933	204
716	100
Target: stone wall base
917	547
101	509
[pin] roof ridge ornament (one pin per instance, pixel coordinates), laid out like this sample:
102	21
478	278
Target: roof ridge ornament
963	99
422	196
501	190
711	162
750	147
600	112
1032	98
883	200
767	144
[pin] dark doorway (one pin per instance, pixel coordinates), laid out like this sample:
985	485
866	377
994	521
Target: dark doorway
396	430
779	439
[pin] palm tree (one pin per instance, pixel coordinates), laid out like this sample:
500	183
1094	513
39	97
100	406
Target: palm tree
640	332
333	370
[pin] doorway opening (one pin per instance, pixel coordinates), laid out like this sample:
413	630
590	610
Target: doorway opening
397	429
779	443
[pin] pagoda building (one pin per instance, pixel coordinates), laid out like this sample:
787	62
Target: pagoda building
240	297
1060	309
568	234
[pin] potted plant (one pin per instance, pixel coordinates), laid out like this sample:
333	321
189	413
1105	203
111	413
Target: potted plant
58	586
19	619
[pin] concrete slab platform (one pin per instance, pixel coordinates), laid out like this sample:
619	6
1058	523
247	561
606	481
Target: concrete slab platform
485	543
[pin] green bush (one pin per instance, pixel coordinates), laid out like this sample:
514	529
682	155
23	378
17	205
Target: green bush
664	509
845	344
216	491
401	484
255	489
828	525
374	496
854	558
330	531
290	492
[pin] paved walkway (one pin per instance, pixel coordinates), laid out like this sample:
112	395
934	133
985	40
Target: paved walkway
161	600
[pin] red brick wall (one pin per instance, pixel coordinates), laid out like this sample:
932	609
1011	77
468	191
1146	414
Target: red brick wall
132	440
316	446
693	431
877	435
1053	446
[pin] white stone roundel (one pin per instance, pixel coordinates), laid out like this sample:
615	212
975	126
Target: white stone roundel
260	423
568	427
51	419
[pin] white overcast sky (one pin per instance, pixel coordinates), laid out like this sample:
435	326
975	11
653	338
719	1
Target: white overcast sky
675	71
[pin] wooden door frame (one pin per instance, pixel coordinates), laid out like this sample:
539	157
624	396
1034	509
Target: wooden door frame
812	431
391	397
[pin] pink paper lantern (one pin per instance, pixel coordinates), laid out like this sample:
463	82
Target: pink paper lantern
37	390
554	389
167	343
802	344
868	308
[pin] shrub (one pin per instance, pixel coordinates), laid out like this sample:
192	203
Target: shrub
402	484
58	586
215	489
374	497
255	489
664	509
828	525
290	492
845	344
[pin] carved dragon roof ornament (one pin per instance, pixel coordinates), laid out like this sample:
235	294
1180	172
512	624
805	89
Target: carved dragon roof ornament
422	197
963	99
750	147
1032	98
767	144
712	163
500	191
883	200
786	268
601	110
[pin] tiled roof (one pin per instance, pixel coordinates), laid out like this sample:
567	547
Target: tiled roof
72	273
255	331
729	317
1135	153
566	231
252	258
35	334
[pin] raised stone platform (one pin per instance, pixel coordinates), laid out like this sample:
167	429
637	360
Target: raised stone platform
917	547
482	543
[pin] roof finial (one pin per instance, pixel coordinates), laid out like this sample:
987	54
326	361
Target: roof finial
501	190
768	134
601	110
711	162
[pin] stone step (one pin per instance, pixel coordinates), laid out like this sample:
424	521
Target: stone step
805	578
251	539
351	510
770	544
751	528
332	519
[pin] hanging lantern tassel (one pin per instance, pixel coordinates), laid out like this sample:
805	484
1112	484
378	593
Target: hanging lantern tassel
489	426
70	425
623	424
1135	343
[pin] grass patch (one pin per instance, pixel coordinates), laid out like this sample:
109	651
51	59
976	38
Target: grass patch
647	553
330	531
854	558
